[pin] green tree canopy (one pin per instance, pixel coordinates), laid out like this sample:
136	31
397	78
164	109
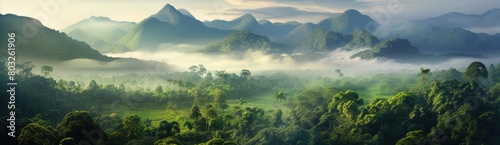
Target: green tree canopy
476	70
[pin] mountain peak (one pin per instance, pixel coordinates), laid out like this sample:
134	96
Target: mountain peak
492	12
352	12
245	22
99	18
348	22
186	13
169	14
247	16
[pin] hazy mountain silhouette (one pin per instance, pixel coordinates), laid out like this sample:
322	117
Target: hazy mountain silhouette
169	26
43	43
348	22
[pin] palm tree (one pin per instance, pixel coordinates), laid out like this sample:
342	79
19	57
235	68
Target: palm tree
279	97
241	102
424	72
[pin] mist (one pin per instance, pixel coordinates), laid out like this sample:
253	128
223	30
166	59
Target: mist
257	61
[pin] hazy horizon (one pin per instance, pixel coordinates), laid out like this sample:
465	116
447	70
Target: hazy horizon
56	12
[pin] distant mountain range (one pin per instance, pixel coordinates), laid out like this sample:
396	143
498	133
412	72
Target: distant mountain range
441	40
446	35
348	22
275	31
488	22
169	26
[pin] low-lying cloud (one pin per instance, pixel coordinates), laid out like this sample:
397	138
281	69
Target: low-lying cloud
257	61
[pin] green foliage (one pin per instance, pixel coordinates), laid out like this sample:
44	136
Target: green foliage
362	39
45	44
79	124
346	103
413	137
132	124
475	71
67	141
242	41
319	40
394	48
215	141
36	134
168	141
167	129
46	70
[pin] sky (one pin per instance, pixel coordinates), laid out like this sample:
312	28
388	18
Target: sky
58	14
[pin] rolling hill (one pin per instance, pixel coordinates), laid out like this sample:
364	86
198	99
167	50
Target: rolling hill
44	43
242	41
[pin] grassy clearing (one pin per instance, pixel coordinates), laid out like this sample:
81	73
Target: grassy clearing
158	113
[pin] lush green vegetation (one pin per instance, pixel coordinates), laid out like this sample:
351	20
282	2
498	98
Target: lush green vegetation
36	42
242	41
201	106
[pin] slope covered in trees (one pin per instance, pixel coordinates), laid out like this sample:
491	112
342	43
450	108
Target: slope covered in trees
219	108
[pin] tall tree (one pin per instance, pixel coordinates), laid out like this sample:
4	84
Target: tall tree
195	114
245	73
280	96
132	124
36	134
47	69
476	70
424	72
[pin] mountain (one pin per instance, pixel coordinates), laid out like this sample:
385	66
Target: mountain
242	41
275	31
486	21
244	22
309	37
348	22
91	29
298	32
186	12
319	40
169	26
362	39
440	40
394	48
43	43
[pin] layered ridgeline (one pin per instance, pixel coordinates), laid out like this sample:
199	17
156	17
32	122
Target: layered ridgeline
44	46
275	31
168	26
348	22
35	42
242	41
487	22
451	33
349	30
98	31
309	38
394	48
440	40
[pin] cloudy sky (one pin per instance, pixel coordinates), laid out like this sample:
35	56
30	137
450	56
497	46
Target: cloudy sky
58	14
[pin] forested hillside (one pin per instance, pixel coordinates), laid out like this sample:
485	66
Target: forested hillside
201	106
